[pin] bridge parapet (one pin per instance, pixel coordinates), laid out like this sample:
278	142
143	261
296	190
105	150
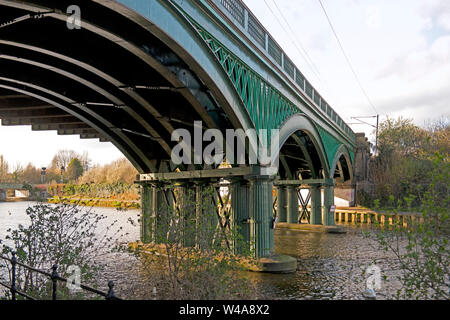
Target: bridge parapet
243	19
11	186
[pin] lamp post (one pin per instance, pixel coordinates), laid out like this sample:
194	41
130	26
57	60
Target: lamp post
43	175
62	174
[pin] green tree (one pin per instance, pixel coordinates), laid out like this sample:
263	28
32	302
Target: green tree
74	169
422	250
405	157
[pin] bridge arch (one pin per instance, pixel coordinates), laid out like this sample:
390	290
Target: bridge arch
138	97
342	168
300	135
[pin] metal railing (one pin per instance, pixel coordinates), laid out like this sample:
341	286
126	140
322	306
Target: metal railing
243	18
54	277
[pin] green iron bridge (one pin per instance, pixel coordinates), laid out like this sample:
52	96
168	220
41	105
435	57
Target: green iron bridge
132	71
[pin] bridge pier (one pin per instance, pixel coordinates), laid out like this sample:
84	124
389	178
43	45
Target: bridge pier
282	204
292	204
147	211
188	209
316	205
241	216
246	208
288	198
328	216
261	204
157	203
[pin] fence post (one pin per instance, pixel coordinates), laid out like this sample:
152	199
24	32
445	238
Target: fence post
111	295
13	276
55	281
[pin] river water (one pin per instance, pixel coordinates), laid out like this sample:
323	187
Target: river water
330	266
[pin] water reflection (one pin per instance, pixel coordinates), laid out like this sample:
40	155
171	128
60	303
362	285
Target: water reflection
330	266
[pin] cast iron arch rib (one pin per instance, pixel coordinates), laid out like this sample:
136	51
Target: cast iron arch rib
342	163
66	104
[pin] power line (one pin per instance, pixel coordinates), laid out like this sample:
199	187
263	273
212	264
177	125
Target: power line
310	64
347	57
295	38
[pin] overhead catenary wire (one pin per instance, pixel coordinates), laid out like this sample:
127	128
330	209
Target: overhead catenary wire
308	58
347	58
304	55
302	48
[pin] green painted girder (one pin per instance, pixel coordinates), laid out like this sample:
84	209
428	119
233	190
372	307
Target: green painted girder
331	145
266	106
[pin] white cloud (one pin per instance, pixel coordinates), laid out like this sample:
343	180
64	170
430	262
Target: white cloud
400	50
373	17
444	21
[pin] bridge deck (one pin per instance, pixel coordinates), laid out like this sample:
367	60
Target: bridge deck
252	31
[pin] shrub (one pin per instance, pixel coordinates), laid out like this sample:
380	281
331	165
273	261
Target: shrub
64	235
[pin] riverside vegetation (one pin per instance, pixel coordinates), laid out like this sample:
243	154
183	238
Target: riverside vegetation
66	235
412	172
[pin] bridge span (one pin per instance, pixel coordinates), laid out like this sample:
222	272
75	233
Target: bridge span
131	72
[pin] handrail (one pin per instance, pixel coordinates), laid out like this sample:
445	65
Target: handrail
54	277
241	16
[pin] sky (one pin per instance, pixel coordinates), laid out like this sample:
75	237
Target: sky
400	51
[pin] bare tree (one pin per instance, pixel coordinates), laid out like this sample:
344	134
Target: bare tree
3	168
62	158
17	172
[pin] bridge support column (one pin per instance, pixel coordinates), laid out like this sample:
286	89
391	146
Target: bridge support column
156	205
241	217
316	205
292	204
163	206
147	213
188	210
261	204
328	218
282	204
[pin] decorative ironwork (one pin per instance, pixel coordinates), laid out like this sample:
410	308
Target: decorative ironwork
304	213
330	143
54	277
300	79
220	199
256	30
289	67
224	214
308	89
267	107
236	9
275	51
317	98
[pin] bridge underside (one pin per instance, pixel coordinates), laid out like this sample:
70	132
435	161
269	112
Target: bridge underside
123	80
110	80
